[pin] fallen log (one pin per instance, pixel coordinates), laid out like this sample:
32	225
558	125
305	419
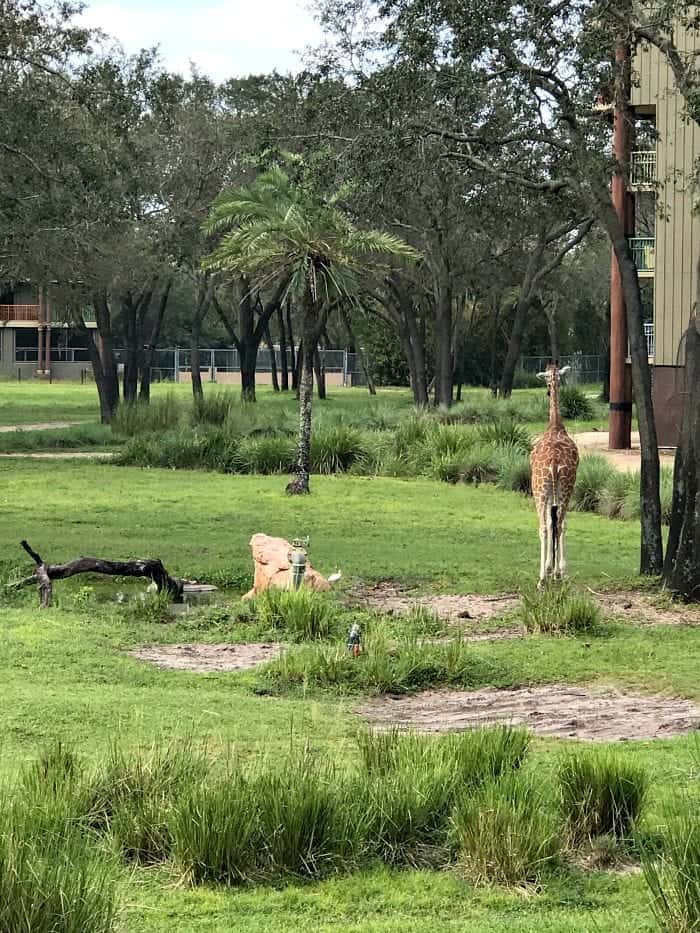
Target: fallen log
151	568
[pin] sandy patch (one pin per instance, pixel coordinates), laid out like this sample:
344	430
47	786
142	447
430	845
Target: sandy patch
644	609
554	710
388	597
596	442
208	659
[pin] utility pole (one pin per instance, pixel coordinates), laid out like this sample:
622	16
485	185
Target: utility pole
620	419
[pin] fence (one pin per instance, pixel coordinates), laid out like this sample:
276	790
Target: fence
224	366
585	368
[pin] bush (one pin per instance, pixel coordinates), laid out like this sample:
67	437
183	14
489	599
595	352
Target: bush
504	833
559	610
336	449
79	436
612	498
479	465
302	614
505	433
674	878
574	405
150	608
593	477
631	504
600	794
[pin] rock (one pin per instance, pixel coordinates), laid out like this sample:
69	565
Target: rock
271	561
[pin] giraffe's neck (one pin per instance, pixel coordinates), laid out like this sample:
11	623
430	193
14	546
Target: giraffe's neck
554	413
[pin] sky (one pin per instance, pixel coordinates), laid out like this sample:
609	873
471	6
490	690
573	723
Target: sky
224	38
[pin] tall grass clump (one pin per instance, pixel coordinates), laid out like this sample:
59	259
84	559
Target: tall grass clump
506	433
384	666
612	498
213	408
134	418
600	794
215	831
631	504
303	614
505	833
479	464
513	470
335	449
265	455
593	476
51	879
558	609
575	405
673	877
130	797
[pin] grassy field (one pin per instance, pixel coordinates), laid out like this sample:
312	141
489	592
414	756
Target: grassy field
66	674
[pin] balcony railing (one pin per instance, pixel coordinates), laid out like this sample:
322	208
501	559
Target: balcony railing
643	170
19	313
643	252
649	334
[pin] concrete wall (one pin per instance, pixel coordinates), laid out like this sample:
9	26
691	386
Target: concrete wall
669	398
261	378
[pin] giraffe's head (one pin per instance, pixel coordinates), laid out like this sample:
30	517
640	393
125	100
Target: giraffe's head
552	375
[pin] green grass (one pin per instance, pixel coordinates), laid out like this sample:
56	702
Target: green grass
66	674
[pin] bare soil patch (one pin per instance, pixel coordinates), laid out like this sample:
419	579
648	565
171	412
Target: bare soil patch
208	659
386	596
646	609
556	710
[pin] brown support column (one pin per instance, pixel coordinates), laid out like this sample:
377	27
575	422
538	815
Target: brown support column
47	332
620	423
40	334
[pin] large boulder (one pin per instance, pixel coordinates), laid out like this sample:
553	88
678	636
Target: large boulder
271	562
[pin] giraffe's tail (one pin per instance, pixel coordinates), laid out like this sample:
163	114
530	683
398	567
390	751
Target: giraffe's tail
555	521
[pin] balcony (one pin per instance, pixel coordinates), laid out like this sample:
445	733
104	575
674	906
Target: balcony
19	313
642	175
649	334
643	250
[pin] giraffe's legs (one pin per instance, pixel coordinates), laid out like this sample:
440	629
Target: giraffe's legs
543	552
546	542
560	569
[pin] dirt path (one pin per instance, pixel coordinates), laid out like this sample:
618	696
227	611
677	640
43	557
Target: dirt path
59	455
386	596
596	442
40	426
208	659
557	710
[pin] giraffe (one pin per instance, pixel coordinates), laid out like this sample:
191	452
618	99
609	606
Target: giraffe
554	461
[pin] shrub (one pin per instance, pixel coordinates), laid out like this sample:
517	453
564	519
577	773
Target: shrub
559	610
51	880
631	505
612	498
448	440
594	474
150	608
80	435
600	794
525	380
410	435
303	614
504	833
674	878
574	405
505	433
336	449
447	468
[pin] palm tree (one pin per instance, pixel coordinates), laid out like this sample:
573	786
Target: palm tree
276	230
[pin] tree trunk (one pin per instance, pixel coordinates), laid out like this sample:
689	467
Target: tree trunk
297	371
300	484
102	357
292	349
552	328
443	346
197	388
273	360
131	363
283	351
520	321
249	363
682	566
320	374
651	557
149	352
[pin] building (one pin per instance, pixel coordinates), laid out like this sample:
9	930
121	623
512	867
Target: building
35	341
665	230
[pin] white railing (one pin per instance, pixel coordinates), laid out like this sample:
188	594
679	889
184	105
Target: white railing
649	334
643	252
643	169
